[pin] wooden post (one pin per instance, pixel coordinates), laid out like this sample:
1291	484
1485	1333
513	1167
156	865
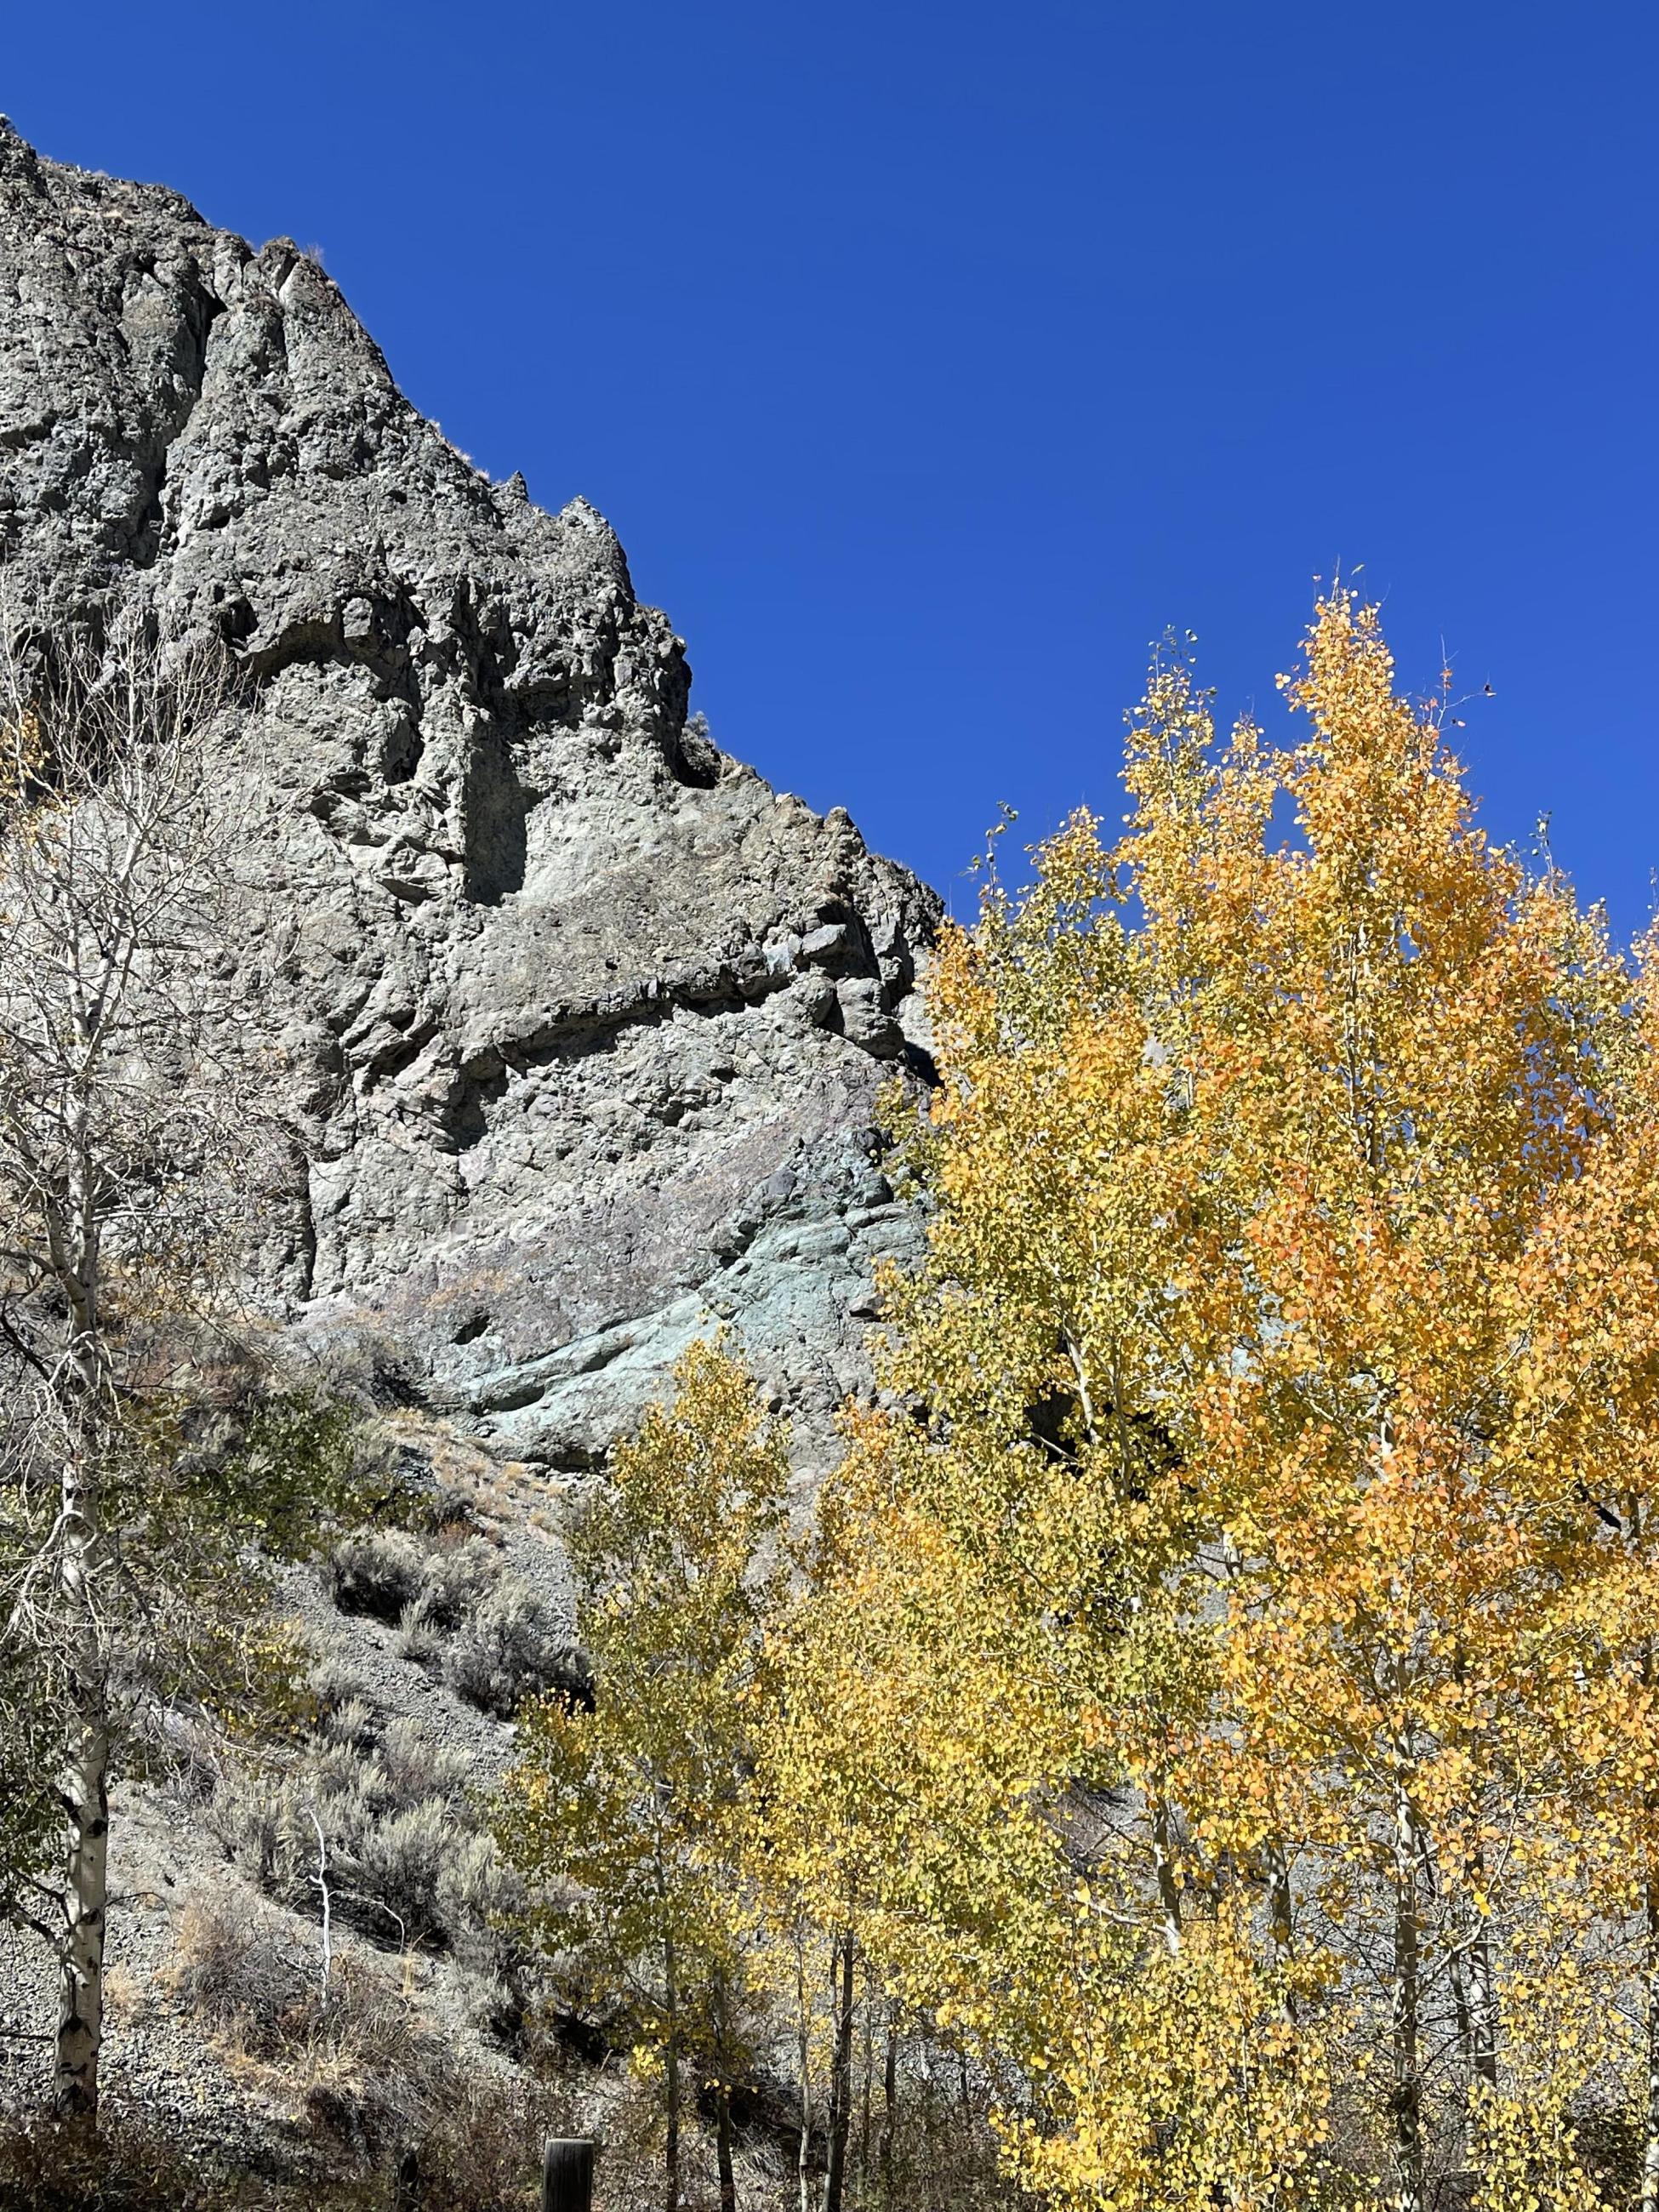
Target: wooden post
567	2175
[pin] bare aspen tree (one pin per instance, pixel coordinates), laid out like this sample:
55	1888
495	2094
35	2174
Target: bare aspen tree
131	1124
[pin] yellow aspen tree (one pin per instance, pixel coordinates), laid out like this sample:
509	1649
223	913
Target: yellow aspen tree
956	1739
1020	1581
630	1818
1403	1060
1225	1438
848	1792
1583	1464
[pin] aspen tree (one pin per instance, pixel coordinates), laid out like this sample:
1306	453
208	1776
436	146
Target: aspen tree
1583	1468
133	1117
1228	1591
630	1818
1072	1633
1406	1057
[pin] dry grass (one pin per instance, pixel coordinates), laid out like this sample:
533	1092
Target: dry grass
126	1999
125	2167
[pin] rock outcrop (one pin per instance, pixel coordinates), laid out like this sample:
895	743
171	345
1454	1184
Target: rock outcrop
588	1022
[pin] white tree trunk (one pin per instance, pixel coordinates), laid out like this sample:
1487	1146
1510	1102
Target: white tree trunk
842	1958
671	2079
1169	1890
803	2057
1483	2011
86	1898
1407	2088
85	1784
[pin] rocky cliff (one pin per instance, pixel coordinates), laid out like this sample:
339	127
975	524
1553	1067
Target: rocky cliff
588	1022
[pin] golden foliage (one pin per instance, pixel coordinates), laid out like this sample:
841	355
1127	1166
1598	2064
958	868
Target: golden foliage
1219	1690
1247	1593
630	1818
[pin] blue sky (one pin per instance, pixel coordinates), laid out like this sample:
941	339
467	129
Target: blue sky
931	359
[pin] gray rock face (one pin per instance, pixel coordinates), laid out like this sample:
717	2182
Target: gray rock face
587	1020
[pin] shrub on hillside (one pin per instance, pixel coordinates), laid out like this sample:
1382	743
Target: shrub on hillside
377	1571
513	1648
235	1964
441	1508
406	1859
498	1642
455	1581
429	1585
240	1970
